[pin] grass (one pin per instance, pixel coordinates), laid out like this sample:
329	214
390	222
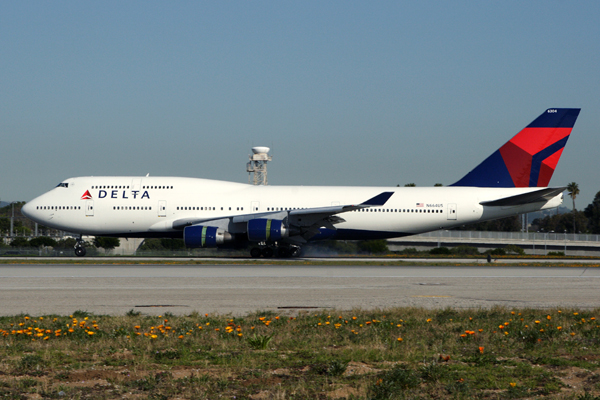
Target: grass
396	353
388	260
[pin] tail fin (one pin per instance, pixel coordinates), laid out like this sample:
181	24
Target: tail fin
530	157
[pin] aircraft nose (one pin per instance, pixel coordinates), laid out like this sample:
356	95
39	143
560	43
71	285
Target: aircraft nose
27	210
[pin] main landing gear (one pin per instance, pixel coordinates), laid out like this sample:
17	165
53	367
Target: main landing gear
268	251
79	249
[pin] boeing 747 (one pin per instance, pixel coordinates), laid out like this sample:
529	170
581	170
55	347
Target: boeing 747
280	219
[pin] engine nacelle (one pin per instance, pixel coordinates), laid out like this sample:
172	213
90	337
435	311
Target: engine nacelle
204	236
265	230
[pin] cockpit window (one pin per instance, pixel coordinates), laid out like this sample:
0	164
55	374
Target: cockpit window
63	184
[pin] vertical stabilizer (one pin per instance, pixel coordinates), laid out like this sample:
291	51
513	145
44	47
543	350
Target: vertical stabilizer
530	157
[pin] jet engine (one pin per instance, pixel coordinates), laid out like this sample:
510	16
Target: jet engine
266	230
205	236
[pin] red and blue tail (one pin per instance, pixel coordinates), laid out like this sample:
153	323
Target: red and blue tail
529	158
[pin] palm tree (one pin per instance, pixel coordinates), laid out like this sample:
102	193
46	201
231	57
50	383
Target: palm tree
573	191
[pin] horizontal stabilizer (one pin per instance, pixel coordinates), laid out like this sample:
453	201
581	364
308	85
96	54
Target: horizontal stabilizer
537	196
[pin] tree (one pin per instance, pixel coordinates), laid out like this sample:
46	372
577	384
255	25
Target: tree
374	246
410	185
562	222
42	241
162	244
151	244
172	244
19	242
573	190
508	224
438	185
65	244
107	243
592	212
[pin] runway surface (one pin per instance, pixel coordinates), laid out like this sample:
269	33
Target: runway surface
239	289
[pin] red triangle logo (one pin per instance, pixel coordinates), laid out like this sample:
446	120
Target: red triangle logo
86	195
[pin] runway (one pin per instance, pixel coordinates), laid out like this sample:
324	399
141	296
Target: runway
239	289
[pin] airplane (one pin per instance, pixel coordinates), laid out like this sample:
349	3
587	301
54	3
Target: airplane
279	220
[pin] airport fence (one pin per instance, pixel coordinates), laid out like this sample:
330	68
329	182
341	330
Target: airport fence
526	236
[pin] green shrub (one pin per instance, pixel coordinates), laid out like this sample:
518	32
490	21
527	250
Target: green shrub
443	251
513	249
409	250
390	383
498	252
465	250
42	241
19	242
374	246
333	368
259	342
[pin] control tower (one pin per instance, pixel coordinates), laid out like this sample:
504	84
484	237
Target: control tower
257	166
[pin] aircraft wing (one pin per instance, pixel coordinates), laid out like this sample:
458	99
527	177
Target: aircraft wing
537	196
303	223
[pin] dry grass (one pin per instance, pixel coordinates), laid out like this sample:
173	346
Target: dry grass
378	354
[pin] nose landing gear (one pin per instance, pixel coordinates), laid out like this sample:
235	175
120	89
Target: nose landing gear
79	249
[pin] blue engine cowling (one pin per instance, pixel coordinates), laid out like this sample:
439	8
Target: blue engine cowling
265	230
204	236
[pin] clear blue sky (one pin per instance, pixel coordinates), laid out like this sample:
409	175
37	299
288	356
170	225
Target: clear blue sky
345	93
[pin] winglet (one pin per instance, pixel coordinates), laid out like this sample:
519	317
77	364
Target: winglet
378	200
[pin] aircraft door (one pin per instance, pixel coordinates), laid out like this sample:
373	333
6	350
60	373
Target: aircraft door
255	206
162	208
136	183
452	212
89	208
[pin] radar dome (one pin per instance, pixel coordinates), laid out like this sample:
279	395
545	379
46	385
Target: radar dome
260	149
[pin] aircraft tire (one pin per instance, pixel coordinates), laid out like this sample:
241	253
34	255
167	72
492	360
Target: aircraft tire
284	252
80	251
267	252
255	252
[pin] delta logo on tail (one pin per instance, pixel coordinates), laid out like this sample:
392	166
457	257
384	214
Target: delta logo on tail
530	157
86	195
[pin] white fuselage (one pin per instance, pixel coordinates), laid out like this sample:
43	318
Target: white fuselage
148	206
